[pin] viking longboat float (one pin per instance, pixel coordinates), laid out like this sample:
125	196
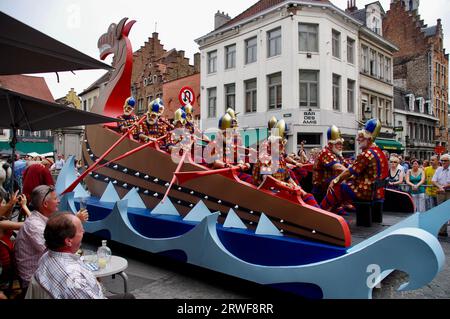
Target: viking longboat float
214	220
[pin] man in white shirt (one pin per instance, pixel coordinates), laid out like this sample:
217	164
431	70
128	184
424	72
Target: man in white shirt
441	180
59	164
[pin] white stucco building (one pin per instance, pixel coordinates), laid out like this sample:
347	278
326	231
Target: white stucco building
297	60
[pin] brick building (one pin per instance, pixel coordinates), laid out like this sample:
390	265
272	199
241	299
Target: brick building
421	64
152	67
171	91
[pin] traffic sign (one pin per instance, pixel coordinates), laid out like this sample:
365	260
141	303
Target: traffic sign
398	129
186	96
440	150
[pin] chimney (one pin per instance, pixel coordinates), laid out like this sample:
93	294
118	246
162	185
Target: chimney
155	35
220	18
197	62
351	6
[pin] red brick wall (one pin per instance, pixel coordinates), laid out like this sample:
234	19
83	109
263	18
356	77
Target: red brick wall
403	28
172	89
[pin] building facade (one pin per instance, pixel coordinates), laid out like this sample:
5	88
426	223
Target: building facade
152	67
418	123
68	140
376	94
421	64
296	60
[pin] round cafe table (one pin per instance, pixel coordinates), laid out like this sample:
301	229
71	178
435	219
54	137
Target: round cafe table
116	266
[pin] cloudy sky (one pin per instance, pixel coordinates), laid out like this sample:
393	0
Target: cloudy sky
79	23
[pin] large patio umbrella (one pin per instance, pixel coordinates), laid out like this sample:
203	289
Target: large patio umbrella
22	112
25	50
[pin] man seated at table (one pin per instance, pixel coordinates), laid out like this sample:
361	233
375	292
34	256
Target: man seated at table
61	272
30	244
356	182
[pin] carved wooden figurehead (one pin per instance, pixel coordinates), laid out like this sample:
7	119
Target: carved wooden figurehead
115	41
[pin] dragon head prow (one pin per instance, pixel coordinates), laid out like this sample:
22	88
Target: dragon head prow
108	42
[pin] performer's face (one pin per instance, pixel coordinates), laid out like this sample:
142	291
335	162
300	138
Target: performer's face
338	147
128	110
363	141
152	119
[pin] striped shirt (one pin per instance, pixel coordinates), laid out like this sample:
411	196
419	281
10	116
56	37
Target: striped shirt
64	277
30	245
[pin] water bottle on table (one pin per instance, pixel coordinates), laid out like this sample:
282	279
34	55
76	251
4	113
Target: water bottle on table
103	255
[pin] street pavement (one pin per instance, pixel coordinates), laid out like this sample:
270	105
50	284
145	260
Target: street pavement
155	277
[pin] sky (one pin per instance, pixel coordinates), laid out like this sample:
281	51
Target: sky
79	24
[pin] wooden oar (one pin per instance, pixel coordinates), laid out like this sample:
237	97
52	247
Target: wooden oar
93	166
185	177
185	152
152	141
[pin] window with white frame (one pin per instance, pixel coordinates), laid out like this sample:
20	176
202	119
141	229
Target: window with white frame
365	65
336	92
230	56
350	50
230	96
309	88
274	42
336	44
389	113
275	91
212	102
251	50
212	62
308	35
373	62
381	112
250	96
381	66
350	96
388	67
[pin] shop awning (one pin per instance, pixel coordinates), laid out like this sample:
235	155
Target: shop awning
389	145
29	147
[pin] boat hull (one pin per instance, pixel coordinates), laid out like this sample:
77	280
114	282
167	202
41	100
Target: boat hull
219	193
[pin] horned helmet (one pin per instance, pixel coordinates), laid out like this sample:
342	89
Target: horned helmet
371	129
189	110
233	114
179	118
334	135
155	110
128	106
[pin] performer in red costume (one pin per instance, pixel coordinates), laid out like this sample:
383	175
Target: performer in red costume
356	182
232	141
175	137
278	169
128	118
154	126
329	164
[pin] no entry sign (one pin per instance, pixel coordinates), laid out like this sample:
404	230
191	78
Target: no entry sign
186	96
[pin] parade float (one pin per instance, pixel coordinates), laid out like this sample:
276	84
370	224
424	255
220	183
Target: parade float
138	196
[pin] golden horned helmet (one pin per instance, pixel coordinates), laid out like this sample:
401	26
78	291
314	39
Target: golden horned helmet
334	135
225	122
233	114
272	123
179	117
189	109
371	129
128	106
156	107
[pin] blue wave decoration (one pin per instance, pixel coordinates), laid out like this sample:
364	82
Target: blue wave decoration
316	271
